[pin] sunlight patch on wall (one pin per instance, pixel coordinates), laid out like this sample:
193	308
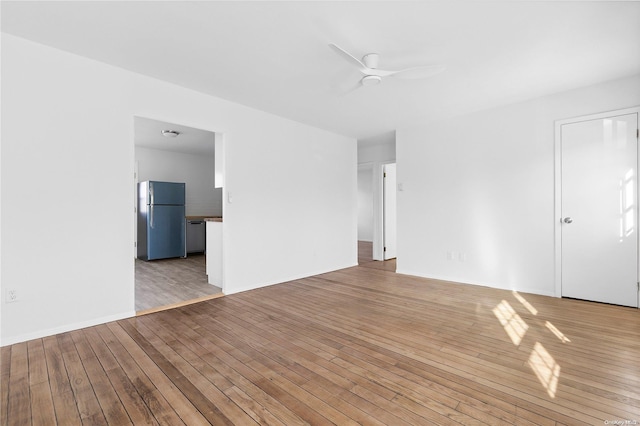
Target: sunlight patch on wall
511	321
546	368
627	205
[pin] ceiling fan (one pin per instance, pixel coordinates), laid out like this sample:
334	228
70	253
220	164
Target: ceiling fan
368	66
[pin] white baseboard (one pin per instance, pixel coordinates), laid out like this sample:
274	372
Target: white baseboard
483	284
64	328
285	279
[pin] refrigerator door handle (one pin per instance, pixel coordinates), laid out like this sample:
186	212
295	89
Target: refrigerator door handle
151	216
151	193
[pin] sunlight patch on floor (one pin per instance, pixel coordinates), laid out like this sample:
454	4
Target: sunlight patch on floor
546	368
525	303
558	333
515	326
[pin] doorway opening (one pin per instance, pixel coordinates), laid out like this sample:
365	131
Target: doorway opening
184	157
373	207
389	219
365	213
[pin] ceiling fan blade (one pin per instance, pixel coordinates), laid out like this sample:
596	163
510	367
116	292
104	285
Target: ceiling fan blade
417	72
342	87
352	89
348	56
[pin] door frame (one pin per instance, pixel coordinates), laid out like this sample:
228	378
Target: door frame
558	185
385	204
378	211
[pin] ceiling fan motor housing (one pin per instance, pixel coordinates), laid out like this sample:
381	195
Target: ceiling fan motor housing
371	60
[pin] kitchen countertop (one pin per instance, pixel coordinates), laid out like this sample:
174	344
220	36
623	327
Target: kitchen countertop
213	219
203	218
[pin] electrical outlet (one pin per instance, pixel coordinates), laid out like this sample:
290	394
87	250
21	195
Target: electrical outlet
11	296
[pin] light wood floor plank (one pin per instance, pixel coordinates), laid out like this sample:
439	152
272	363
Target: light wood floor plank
318	378
434	395
161	394
42	410
184	327
41	400
222	347
287	379
87	403
5	370
140	379
63	400
136	409
198	388
107	397
19	408
325	377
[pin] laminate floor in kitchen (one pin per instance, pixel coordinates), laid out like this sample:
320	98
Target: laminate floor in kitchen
168	283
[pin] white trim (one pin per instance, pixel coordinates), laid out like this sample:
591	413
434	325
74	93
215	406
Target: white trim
136	180
239	289
558	184
378	212
65	328
557	209
220	141
476	283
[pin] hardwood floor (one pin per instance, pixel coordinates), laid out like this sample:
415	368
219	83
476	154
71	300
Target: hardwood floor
365	252
355	346
167	283
365	258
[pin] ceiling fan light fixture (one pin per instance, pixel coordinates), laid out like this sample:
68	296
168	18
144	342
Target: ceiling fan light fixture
371	80
170	133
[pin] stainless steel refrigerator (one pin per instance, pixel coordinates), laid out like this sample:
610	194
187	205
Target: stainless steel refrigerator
161	220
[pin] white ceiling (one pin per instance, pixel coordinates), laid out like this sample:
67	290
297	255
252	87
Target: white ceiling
148	134
274	56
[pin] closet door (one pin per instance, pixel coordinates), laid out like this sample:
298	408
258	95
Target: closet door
599	219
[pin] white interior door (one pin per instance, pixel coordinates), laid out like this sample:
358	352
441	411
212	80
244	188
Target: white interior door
599	209
389	196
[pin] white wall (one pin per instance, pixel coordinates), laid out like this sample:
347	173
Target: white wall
365	203
483	185
377	153
196	171
67	164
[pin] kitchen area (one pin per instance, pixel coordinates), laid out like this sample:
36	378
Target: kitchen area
178	220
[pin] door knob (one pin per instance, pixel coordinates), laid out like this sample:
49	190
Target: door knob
567	220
